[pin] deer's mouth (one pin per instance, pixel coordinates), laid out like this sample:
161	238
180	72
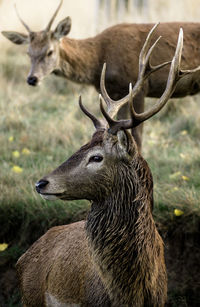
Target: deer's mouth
49	196
56	196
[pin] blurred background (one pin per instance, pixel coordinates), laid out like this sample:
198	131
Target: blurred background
91	16
41	127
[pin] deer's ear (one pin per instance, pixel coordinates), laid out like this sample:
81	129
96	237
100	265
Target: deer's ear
16	37
62	28
126	142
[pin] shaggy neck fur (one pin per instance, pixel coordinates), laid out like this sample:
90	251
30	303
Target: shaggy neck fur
78	59
124	242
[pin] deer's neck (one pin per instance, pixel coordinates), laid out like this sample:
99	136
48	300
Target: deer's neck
78	59
123	237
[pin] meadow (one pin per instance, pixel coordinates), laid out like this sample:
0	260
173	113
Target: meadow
40	128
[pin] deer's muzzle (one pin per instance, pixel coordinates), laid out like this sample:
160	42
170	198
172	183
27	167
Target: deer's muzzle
32	80
40	185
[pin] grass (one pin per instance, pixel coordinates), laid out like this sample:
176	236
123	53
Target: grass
173	154
45	126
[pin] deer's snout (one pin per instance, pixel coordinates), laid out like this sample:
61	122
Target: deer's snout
32	80
40	185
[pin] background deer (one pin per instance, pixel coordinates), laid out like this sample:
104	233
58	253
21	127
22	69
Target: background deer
119	46
116	257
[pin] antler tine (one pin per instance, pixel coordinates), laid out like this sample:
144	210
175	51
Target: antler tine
114	125
113	105
111	122
24	24
145	68
145	48
98	125
53	17
146	52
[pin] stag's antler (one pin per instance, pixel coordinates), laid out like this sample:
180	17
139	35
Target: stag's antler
145	69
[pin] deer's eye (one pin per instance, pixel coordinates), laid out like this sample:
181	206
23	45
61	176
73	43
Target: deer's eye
50	52
96	158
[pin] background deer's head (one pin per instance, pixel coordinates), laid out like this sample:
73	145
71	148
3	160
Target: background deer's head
43	46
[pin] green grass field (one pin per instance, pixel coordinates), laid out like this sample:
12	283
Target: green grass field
41	127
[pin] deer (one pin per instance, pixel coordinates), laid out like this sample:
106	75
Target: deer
81	60
115	257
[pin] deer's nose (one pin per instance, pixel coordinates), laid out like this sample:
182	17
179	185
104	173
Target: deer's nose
40	185
32	80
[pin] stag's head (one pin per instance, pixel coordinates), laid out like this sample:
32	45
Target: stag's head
42	46
92	172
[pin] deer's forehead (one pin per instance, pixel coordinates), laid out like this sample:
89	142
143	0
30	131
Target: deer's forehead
100	142
106	147
39	43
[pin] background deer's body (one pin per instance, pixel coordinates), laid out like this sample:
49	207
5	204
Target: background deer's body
120	263
118	46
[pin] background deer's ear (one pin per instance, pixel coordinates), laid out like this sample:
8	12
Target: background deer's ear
62	28
16	38
126	142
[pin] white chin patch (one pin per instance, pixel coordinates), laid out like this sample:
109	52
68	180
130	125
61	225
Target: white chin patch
49	197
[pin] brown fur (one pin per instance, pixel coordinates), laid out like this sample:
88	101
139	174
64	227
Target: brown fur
116	258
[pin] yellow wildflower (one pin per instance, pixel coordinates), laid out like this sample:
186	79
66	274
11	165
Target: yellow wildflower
11	138
184	132
17	169
178	212
182	155
3	246
16	154
185	178
26	151
151	142
175	175
175	189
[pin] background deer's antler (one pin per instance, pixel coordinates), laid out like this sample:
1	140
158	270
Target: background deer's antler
48	28
24	24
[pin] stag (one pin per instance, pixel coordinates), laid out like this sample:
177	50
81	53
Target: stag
116	257
119	46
